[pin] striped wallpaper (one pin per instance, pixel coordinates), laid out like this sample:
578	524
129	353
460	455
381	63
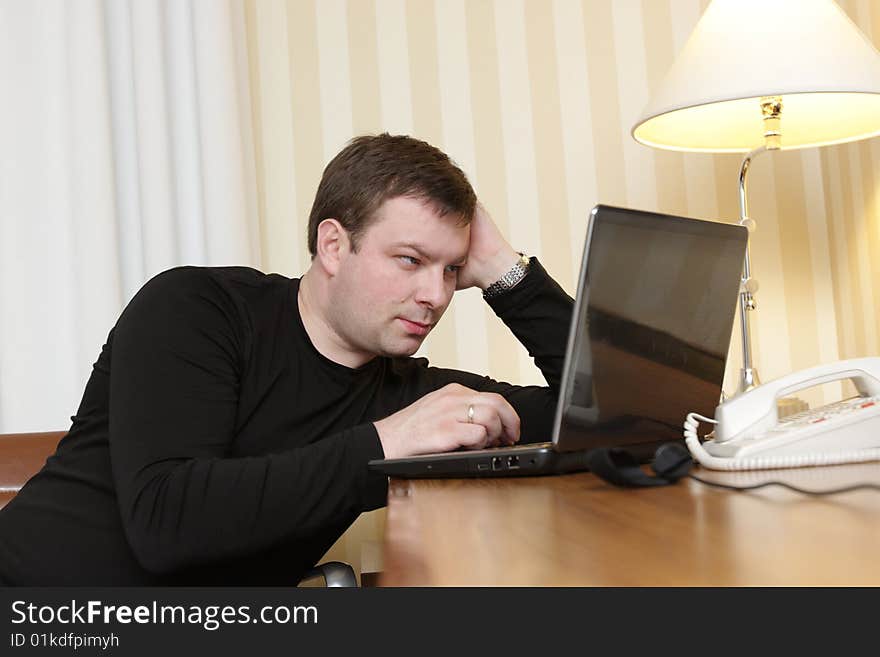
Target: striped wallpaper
535	100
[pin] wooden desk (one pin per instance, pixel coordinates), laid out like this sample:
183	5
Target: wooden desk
576	530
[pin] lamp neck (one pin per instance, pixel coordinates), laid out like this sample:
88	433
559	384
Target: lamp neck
771	111
744	184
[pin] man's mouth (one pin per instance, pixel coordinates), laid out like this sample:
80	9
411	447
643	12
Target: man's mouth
416	328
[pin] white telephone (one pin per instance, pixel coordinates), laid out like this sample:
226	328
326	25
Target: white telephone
749	435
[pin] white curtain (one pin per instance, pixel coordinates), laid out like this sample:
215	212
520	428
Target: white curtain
125	149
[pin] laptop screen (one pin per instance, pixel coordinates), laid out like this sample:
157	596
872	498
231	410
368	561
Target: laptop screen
654	315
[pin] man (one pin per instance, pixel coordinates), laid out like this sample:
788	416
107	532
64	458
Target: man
224	434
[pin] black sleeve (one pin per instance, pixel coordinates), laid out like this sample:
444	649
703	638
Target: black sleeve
538	312
178	353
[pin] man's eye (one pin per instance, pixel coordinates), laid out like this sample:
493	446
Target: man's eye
453	269
408	260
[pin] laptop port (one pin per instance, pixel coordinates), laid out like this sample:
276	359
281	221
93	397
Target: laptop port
512	462
482	466
497	463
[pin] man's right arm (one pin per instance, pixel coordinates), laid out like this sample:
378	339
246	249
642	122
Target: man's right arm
177	359
449	418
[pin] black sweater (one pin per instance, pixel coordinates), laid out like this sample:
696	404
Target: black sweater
215	445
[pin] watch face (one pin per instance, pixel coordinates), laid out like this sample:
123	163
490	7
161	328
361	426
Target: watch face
513	276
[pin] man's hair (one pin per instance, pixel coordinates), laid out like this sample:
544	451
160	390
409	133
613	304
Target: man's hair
372	169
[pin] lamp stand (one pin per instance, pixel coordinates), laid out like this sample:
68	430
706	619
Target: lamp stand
748	375
771	110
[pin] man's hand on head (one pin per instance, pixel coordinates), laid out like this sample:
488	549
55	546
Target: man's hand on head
489	256
450	418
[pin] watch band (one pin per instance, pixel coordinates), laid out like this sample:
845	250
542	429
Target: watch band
509	280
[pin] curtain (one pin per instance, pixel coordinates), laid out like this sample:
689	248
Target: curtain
126	149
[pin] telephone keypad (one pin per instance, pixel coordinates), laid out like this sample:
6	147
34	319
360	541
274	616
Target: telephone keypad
824	413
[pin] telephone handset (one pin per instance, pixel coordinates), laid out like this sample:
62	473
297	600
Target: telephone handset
749	435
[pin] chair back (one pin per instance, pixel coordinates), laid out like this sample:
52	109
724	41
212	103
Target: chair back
21	457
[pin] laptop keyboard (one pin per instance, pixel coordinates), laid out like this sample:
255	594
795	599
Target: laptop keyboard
507	448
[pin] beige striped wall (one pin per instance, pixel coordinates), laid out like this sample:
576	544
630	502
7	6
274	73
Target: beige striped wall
535	100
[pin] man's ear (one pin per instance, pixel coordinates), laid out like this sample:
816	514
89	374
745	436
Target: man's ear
333	245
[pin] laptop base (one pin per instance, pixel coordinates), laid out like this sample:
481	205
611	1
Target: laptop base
520	461
534	459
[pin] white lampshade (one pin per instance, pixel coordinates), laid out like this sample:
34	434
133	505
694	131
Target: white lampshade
806	51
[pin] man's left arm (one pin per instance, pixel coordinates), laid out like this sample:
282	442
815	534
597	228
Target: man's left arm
536	310
538	313
524	297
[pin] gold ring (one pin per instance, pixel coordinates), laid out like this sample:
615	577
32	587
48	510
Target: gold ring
470	413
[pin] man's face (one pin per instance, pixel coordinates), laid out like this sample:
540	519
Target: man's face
390	293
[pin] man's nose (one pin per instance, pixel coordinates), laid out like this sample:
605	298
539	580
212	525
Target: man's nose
433	289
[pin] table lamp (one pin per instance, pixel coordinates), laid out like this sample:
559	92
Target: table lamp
763	75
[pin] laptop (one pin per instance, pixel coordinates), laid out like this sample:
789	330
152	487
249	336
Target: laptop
648	343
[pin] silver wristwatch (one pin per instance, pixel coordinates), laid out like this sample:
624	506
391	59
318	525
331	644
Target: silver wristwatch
513	276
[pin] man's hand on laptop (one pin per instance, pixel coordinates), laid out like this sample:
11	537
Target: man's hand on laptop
443	421
489	255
